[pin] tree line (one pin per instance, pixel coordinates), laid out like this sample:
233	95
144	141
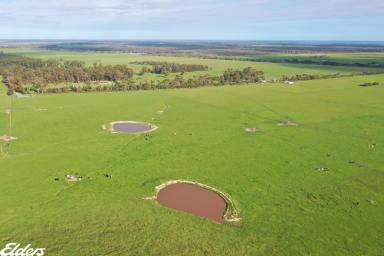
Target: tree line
159	67
304	77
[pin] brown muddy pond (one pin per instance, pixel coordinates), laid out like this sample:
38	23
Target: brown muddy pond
193	199
132	127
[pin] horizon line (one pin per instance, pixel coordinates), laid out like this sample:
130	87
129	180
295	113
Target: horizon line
189	40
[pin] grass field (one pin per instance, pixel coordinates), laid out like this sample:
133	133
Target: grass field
217	66
287	206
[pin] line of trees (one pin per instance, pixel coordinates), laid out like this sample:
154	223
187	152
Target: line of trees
304	77
164	68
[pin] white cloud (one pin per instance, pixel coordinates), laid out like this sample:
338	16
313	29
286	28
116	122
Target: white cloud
75	12
149	16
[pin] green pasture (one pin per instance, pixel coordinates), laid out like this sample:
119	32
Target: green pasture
216	66
314	189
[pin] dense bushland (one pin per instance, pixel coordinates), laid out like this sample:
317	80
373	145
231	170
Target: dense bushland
229	77
28	75
19	72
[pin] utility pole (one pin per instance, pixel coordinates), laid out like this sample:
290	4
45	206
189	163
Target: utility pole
10	116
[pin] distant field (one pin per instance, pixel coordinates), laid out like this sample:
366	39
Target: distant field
358	57
217	66
288	205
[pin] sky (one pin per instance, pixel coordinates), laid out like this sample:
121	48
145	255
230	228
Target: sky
359	20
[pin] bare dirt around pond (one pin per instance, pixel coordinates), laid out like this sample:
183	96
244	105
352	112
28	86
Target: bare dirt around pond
193	199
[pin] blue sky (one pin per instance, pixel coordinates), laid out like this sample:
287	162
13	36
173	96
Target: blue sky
193	19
